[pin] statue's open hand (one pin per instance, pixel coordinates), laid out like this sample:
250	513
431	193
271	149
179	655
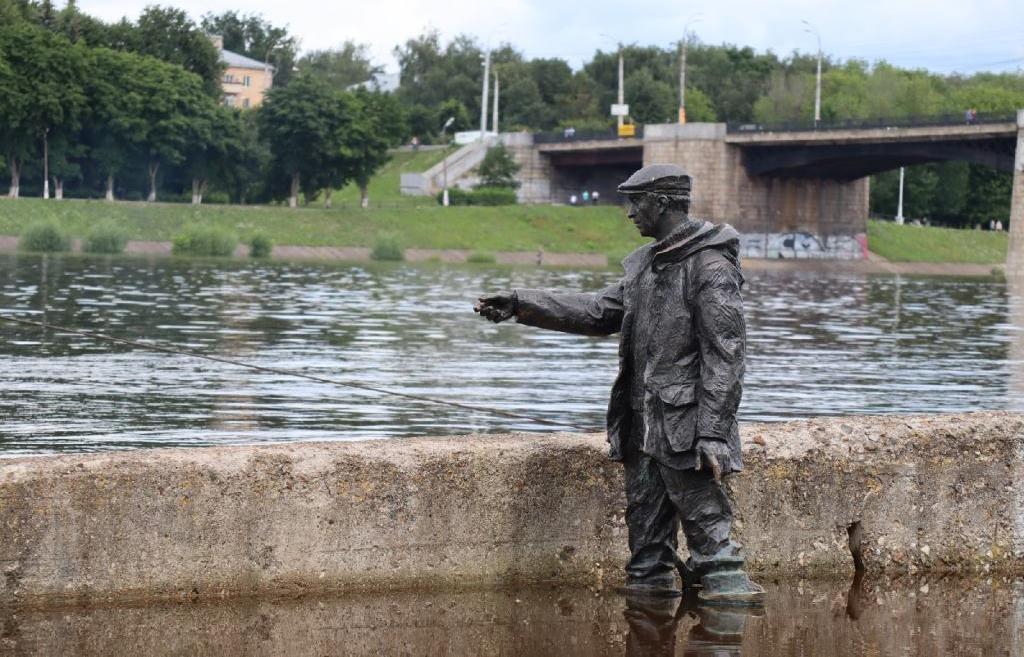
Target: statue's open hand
496	307
714	455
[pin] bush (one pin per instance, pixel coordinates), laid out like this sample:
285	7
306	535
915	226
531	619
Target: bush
387	248
44	238
105	238
498	168
260	246
481	257
204	241
479	196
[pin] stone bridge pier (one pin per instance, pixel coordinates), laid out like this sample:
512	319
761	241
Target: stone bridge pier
779	217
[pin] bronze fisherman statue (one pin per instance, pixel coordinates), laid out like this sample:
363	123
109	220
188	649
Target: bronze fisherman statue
672	413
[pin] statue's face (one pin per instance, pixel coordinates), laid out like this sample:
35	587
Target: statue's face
646	212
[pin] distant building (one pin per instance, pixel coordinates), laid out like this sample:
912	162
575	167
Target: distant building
245	80
385	82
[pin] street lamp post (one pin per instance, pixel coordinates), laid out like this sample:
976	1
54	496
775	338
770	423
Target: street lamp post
899	205
810	29
483	98
444	163
622	91
682	66
497	92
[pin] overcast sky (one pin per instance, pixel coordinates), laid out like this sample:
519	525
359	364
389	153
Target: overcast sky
943	36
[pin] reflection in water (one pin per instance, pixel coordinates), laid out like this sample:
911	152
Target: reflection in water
654	622
947	617
819	344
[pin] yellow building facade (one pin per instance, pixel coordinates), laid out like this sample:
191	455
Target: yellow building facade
245	80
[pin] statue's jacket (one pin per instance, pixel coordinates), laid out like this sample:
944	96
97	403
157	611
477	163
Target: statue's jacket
694	333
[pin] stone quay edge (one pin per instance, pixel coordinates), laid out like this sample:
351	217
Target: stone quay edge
905	494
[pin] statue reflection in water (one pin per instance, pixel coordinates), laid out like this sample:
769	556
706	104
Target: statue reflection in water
654	623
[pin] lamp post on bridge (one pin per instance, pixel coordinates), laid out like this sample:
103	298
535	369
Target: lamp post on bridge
622	92
682	65
810	29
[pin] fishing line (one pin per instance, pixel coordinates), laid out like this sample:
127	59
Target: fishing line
302	375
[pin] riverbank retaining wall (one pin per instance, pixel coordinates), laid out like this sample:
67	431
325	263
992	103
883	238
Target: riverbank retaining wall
908	494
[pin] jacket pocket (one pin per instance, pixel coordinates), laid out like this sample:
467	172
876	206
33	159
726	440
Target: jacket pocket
673	412
679	394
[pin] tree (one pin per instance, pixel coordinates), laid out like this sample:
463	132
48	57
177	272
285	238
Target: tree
303	126
432	75
650	100
378	126
452	109
248	158
340	68
733	78
14	104
251	35
65	149
170	35
211	145
498	169
174	113
115	130
42	95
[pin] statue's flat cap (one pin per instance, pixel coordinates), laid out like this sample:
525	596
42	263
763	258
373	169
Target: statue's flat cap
669	179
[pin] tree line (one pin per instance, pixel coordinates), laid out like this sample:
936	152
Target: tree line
121	110
73	90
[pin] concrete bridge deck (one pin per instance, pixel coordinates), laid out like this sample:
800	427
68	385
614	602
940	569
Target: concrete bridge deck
838	135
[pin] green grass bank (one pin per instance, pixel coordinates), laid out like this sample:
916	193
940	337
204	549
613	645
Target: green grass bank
421	223
909	243
601	229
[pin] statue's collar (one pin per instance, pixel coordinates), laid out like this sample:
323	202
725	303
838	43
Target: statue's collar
684	235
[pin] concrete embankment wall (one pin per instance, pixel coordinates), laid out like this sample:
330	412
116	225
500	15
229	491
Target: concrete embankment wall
917	493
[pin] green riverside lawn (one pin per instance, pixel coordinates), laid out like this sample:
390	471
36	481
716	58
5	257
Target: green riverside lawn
602	229
421	223
909	243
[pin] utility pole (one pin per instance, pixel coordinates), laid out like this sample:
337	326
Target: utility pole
444	163
683	45
46	163
622	93
899	205
682	79
817	87
497	92
483	98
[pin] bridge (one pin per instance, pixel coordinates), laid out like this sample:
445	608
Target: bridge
853	149
793	190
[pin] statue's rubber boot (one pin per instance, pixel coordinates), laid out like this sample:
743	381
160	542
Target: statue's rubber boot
658	586
730	587
692	572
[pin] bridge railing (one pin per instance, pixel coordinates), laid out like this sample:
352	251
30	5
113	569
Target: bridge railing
875	123
569	135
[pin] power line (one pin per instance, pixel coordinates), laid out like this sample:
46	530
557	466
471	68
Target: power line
302	375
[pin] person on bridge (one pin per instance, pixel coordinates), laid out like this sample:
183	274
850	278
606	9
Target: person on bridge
672	414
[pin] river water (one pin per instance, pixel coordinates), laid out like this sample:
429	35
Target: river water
819	344
919	618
